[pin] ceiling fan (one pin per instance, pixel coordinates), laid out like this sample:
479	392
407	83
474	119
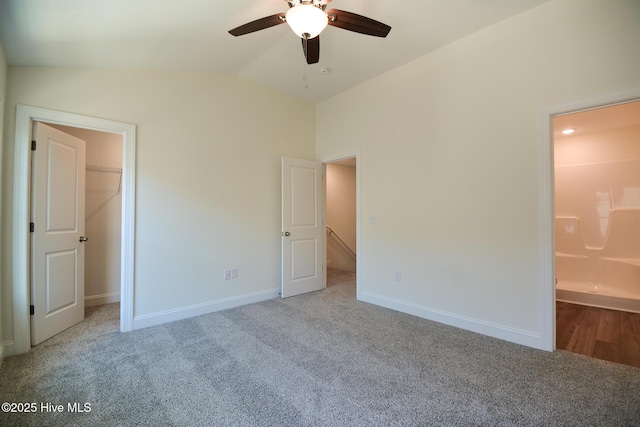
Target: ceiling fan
307	18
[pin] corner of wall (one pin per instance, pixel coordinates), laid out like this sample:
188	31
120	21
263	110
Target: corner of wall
3	87
6	350
491	329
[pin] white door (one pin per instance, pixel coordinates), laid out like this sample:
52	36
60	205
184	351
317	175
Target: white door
57	249
302	227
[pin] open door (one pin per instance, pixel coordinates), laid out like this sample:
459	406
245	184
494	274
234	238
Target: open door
57	249
302	227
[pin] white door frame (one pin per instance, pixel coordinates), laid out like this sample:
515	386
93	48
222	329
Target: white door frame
350	155
546	196
25	115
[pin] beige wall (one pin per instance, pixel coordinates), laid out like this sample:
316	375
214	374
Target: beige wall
207	177
341	215
449	160
103	215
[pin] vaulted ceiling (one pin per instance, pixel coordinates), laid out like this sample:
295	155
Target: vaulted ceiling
193	35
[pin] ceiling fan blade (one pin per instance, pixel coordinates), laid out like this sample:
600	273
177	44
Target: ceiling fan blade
357	23
311	48
259	24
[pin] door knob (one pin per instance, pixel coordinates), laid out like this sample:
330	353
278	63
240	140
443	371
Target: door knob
83	238
286	233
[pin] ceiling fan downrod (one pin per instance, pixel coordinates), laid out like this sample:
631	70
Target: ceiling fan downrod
321	4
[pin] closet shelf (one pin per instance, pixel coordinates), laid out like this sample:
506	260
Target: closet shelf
103	169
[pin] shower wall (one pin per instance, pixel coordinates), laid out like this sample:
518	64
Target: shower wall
597	187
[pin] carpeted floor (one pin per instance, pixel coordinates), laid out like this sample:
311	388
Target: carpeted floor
321	359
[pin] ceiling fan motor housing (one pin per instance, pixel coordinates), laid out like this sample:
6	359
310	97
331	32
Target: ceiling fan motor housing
307	20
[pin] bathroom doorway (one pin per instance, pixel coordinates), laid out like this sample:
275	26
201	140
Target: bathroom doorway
597	232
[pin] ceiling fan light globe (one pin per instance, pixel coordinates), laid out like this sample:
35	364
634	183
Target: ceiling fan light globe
307	19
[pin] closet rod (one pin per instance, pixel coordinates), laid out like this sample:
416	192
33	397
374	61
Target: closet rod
103	169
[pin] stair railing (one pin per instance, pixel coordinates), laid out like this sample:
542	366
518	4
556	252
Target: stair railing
333	233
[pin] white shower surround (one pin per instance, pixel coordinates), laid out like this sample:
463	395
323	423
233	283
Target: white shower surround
597	224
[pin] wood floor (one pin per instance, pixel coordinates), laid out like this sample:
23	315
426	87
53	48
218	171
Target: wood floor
596	332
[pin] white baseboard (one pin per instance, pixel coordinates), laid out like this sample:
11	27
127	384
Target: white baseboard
6	350
153	319
474	325
92	300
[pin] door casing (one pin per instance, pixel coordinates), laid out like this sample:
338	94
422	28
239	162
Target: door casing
25	116
546	197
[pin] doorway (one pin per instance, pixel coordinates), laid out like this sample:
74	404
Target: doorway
103	213
546	211
597	231
25	116
341	221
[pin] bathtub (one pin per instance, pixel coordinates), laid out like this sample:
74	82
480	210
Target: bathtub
607	276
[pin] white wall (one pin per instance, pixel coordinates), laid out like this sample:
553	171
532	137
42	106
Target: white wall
341	215
103	215
448	160
207	184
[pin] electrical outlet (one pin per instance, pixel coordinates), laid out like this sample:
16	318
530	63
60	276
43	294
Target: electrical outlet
227	274
398	276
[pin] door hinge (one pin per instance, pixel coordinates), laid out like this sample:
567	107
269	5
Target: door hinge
33	145
32	310
32	227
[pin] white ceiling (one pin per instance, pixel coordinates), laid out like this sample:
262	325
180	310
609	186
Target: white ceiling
192	35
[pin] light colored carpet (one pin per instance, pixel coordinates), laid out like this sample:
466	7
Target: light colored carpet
321	359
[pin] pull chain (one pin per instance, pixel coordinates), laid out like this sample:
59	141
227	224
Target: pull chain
305	66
